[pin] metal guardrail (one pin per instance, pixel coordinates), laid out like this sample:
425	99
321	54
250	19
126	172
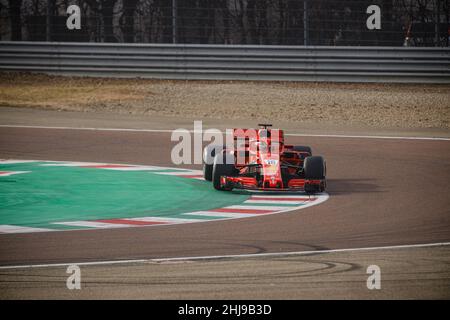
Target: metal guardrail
230	62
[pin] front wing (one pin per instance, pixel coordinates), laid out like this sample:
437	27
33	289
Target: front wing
251	183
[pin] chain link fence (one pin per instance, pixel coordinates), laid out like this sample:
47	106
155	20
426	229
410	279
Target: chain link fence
421	23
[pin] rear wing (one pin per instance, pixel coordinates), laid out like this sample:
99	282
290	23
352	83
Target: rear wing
258	134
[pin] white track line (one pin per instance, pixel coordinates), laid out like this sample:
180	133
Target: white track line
287	134
237	256
129	167
72	164
94	224
247	207
221	214
87	128
4	161
268	202
136	168
94	164
365	136
296	197
10	173
166	220
4	228
182	173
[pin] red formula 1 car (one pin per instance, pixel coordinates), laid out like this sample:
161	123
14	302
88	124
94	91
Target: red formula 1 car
259	160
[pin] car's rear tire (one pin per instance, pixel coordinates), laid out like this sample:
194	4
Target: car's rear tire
314	168
209	152
223	166
303	149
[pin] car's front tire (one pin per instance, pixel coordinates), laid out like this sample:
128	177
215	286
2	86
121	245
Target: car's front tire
314	168
209	152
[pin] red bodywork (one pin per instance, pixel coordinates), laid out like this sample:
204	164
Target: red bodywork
264	162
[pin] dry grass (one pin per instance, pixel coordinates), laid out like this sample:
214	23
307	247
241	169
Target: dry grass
378	105
24	90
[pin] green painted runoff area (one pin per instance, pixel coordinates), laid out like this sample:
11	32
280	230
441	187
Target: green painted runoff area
49	194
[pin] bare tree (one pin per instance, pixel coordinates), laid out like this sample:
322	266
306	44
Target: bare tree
127	19
16	20
106	9
257	20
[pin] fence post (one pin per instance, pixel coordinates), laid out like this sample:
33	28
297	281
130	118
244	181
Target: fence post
174	21
436	22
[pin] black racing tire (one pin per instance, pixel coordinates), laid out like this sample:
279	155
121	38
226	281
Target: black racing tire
223	166
209	152
314	168
303	149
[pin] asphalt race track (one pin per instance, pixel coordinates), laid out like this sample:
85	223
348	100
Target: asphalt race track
382	192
